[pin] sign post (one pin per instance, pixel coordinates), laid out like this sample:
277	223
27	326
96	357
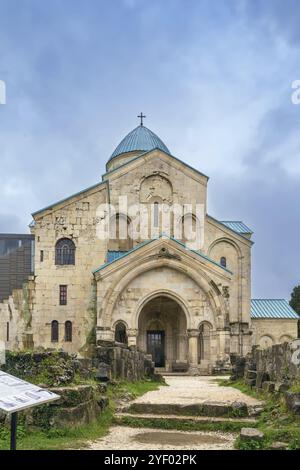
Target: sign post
17	395
13	430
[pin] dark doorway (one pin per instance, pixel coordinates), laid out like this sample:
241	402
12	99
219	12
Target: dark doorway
156	347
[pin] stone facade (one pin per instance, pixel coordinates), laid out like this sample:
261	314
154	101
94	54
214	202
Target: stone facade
198	307
267	331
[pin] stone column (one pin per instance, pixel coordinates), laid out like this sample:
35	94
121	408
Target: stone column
193	336
182	352
224	343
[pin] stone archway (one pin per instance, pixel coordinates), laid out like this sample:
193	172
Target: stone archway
162	331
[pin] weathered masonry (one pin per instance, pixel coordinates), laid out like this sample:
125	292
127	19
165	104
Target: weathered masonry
188	307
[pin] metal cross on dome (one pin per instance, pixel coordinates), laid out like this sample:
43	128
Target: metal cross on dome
141	116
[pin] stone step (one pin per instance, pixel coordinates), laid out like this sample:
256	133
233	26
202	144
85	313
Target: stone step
174	374
192	419
208	409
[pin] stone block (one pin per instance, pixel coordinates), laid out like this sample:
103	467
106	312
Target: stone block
269	387
239	408
251	434
250	382
251	374
261	377
279	445
281	387
103	373
292	400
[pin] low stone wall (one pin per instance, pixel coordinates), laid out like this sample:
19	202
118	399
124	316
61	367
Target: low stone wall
118	361
57	371
276	364
57	368
78	405
46	368
274	370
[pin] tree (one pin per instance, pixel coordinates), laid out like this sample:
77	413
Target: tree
295	303
295	299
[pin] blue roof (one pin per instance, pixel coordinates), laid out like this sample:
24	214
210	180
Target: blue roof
142	139
112	255
237	226
272	308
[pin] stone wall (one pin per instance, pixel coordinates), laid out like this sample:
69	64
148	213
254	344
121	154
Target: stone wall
117	361
273	369
269	331
78	405
46	368
60	372
16	318
77	220
110	361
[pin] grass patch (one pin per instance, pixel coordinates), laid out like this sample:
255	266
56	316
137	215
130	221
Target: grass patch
59	439
295	387
179	425
276	422
77	437
133	389
242	387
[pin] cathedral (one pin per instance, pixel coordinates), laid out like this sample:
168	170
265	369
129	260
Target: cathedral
137	259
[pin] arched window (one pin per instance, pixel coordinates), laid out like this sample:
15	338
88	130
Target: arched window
68	331
64	252
54	331
223	262
120	333
156	214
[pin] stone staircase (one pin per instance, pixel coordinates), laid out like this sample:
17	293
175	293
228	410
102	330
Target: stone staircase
188	403
207	415
205	409
173	421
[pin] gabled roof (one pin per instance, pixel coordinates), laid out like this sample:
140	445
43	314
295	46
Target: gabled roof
272	308
227	224
237	226
140	139
146	153
118	256
67	198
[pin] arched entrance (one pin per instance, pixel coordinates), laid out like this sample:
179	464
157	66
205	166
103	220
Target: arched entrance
162	332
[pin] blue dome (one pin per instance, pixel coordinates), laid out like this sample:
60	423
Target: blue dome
140	139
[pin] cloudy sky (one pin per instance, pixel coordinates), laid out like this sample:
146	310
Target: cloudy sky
214	79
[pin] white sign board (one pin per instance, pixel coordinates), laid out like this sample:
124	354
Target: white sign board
17	395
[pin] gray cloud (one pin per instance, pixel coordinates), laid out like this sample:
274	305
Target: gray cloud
214	80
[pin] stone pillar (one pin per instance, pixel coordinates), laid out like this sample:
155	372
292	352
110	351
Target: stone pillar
224	343
132	337
193	336
182	353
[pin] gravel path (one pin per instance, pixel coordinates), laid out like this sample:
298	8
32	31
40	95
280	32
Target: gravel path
188	390
125	438
183	390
